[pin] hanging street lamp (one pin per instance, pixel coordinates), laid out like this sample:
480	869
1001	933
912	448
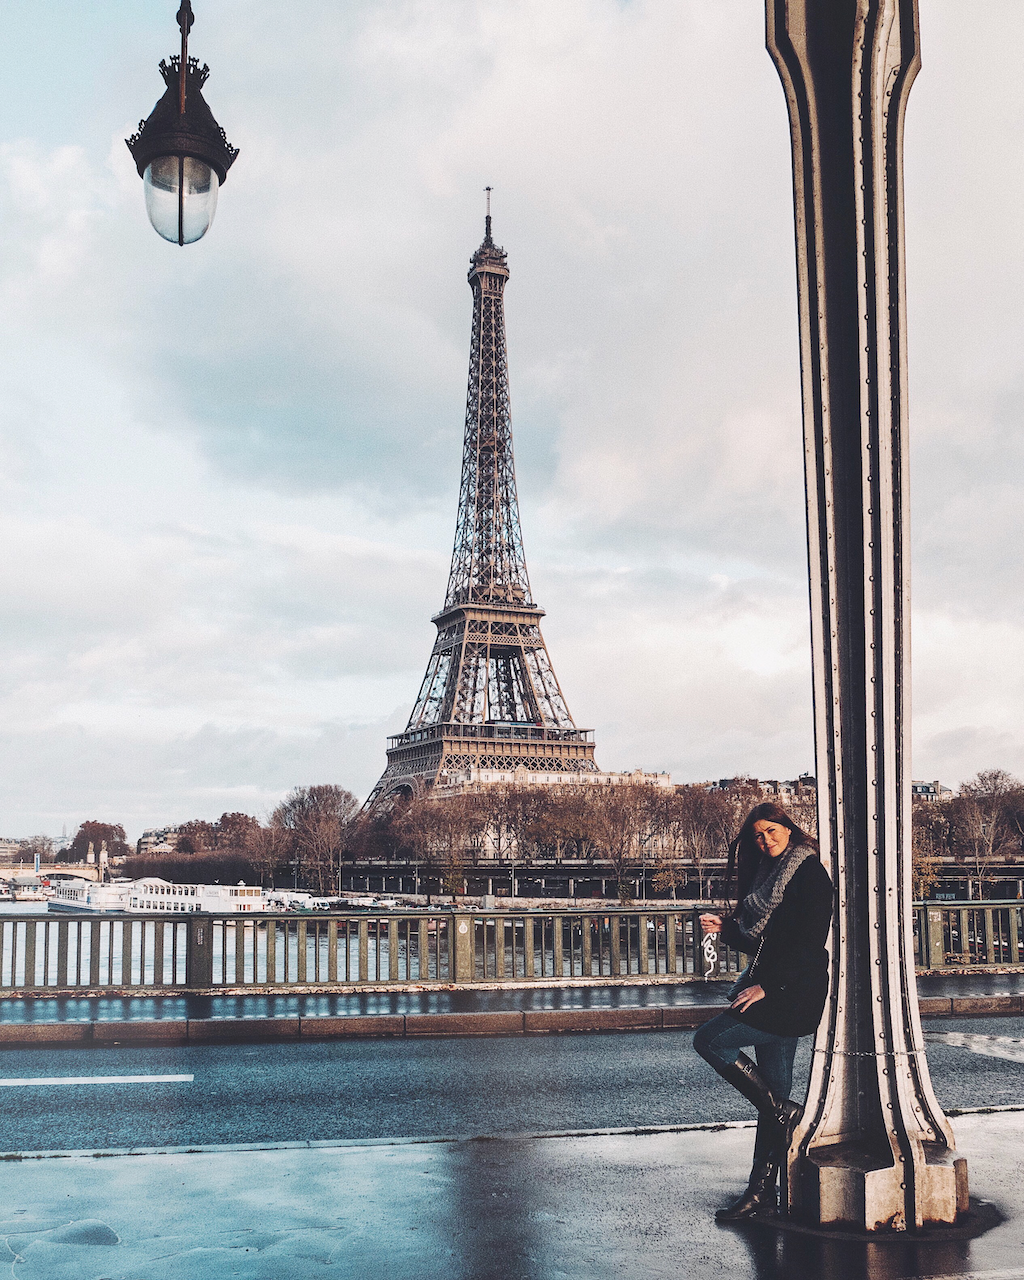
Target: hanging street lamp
181	152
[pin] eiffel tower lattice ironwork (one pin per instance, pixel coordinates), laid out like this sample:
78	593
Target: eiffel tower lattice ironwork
490	699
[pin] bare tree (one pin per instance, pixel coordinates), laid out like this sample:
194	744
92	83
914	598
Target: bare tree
695	830
984	831
41	845
621	820
563	824
267	848
520	822
317	819
931	840
443	831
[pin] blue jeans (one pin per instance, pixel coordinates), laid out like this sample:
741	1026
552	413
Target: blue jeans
719	1041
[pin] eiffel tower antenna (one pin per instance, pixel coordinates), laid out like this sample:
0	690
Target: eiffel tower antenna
490	703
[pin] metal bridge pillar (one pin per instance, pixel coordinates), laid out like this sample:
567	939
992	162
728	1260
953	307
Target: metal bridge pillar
874	1150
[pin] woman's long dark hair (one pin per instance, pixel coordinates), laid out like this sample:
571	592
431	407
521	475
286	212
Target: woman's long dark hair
745	853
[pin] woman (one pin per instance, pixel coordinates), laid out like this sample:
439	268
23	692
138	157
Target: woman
782	916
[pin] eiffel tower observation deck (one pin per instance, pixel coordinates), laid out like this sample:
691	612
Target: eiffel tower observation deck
490	707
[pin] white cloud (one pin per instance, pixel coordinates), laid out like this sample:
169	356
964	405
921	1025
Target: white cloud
228	473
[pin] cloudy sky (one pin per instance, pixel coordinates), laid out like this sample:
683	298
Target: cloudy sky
228	473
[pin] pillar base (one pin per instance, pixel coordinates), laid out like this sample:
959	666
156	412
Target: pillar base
979	1217
851	1187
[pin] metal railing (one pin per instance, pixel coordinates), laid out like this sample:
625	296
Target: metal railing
453	729
977	935
135	954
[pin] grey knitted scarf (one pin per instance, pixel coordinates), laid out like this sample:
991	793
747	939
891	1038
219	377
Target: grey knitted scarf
769	884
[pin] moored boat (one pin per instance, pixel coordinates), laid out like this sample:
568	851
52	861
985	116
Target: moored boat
88	895
152	894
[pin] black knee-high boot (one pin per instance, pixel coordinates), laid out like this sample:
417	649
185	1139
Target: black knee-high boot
760	1195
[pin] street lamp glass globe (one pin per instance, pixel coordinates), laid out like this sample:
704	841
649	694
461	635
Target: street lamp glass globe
181	197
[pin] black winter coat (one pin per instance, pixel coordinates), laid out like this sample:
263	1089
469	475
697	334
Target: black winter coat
792	964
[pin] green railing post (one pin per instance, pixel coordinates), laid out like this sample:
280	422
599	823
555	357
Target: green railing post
643	949
935	952
528	966
30	953
499	947
423	950
300	952
464	949
198	956
62	954
332	951
94	952
364	951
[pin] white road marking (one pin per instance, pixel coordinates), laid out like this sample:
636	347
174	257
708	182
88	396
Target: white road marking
990	1047
48	1080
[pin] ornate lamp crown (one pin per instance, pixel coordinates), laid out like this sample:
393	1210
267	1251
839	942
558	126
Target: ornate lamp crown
193	132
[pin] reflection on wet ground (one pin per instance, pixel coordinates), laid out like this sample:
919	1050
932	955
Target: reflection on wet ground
675	995
600	1207
780	1255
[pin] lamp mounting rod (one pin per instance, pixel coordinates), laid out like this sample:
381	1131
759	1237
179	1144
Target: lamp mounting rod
185	19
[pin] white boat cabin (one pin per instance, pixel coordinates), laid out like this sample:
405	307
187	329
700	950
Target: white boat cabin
87	895
152	894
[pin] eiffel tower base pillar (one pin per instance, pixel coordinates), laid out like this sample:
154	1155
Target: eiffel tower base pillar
874	1152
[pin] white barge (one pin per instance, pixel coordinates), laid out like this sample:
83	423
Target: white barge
87	895
153	894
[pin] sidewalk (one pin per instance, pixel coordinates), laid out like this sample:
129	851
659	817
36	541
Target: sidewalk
576	1207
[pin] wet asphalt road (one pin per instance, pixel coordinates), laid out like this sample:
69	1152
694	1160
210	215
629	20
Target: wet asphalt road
383	1088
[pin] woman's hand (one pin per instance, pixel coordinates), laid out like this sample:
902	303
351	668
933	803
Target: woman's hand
747	997
711	923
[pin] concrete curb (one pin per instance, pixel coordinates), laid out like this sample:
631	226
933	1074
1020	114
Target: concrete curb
171	1032
354	1027
346	1144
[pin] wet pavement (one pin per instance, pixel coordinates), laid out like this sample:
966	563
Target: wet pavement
126	1096
342	1004
582	1207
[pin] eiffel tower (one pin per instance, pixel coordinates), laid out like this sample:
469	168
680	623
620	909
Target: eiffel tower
490	707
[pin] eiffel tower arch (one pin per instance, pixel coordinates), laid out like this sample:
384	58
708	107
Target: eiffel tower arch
490	707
